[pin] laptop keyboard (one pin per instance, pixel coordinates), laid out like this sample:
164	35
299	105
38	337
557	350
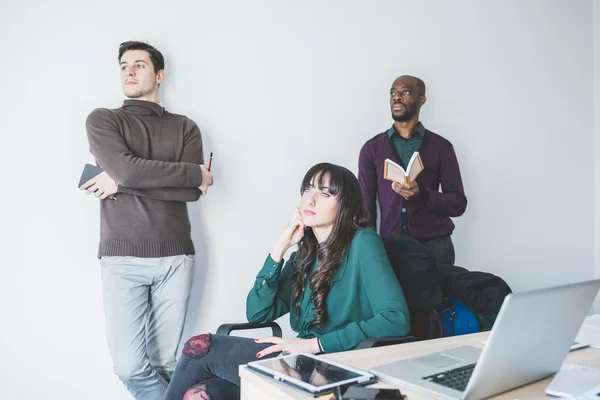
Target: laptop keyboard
455	378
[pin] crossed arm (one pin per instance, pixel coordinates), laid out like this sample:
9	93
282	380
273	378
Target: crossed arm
126	173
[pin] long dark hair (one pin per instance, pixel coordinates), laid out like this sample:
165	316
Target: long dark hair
351	216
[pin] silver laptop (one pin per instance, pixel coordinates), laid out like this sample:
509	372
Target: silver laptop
529	341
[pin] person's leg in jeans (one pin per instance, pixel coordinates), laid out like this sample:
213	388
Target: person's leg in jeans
208	368
442	248
126	283
218	388
169	295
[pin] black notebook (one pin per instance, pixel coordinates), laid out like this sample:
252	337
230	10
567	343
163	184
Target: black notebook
90	171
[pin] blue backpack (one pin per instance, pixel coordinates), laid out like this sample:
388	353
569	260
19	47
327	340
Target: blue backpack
452	318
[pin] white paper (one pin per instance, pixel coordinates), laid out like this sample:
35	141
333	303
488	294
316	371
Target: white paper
590	331
574	380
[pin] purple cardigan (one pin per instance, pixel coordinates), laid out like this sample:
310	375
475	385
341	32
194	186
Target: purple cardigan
428	216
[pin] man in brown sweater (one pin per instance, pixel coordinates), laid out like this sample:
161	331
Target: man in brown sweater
153	165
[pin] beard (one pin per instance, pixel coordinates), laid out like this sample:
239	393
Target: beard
409	112
136	92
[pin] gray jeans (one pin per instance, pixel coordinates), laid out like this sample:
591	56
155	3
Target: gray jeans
442	248
208	367
145	303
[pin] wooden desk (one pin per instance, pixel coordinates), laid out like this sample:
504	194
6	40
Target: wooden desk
258	387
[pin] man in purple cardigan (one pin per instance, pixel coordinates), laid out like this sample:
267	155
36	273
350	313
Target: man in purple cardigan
419	209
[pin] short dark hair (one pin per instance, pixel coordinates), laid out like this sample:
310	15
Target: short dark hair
421	85
155	56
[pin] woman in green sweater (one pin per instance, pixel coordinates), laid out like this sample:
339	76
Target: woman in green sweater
339	289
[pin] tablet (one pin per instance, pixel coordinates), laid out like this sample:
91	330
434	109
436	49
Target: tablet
310	373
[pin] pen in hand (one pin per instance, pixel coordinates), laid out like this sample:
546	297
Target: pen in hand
207	179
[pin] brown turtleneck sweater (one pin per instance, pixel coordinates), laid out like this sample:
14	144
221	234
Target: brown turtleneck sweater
154	156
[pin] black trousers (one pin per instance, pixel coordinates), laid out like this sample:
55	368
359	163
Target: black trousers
442	248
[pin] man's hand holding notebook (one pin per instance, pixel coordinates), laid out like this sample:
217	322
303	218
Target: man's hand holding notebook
95	180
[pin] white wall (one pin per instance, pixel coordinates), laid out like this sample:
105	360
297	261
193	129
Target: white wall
596	112
276	87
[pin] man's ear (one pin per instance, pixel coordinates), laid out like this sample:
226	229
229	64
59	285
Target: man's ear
422	100
160	76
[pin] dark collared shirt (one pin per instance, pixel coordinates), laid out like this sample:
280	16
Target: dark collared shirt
407	147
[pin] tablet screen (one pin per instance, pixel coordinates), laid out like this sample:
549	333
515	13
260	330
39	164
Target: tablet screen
309	370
